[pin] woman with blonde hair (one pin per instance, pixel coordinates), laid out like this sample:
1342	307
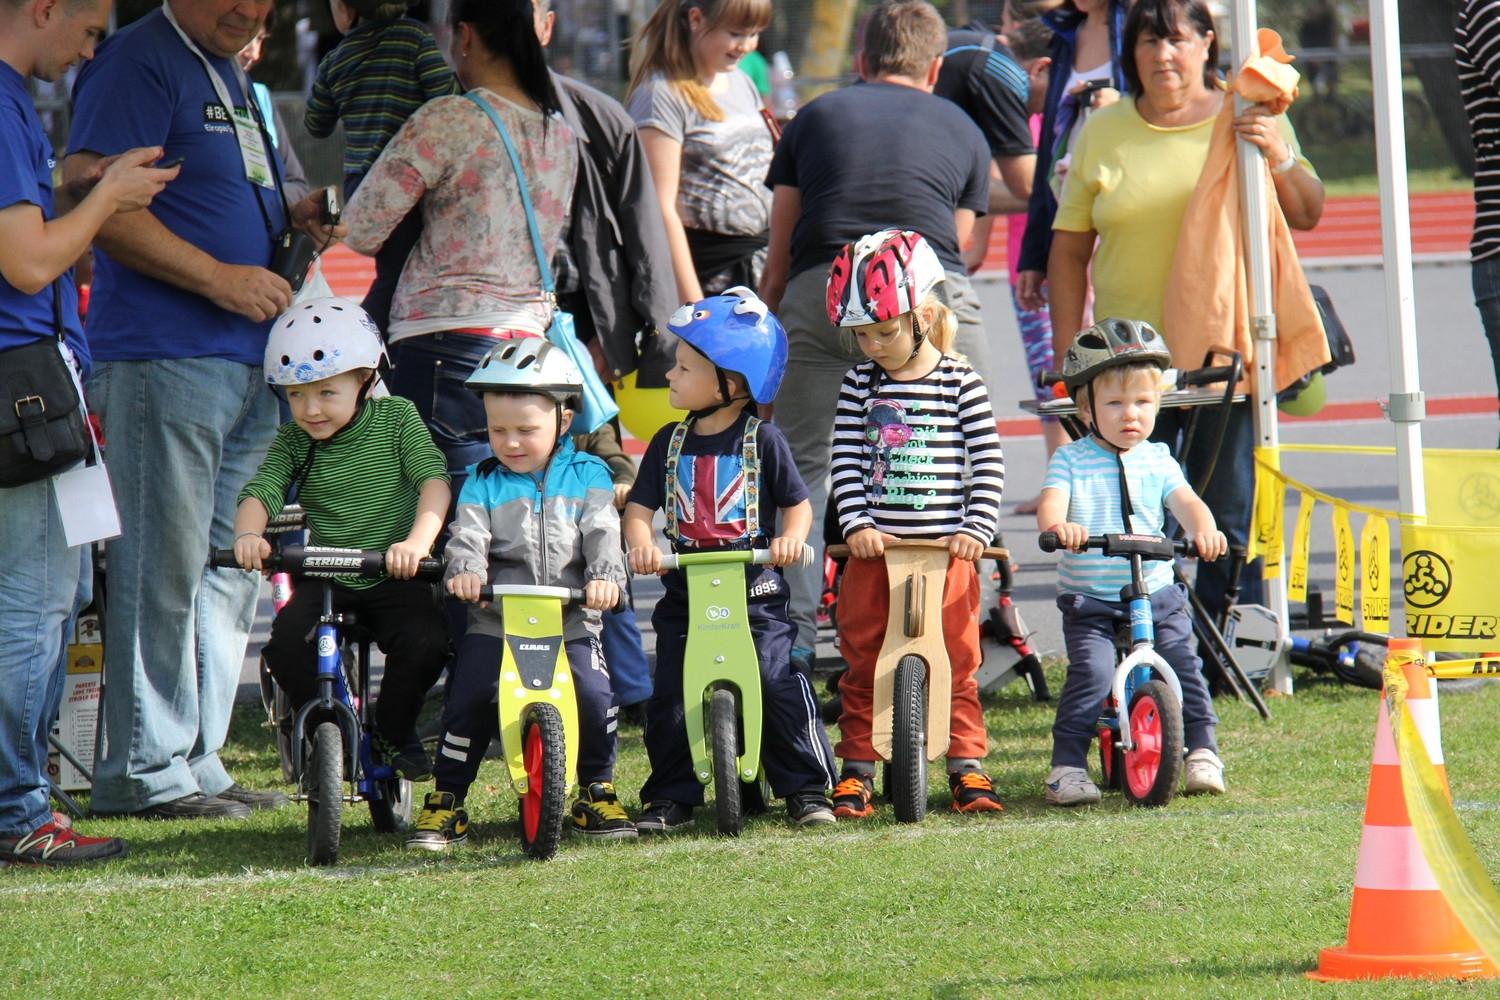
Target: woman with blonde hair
708	143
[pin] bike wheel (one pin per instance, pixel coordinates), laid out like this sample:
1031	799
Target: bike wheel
391	813
1111	758
544	805
724	730
324	783
1152	768
907	781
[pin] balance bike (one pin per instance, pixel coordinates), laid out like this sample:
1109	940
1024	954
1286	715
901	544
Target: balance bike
721	678
912	697
1140	732
337	751
538	708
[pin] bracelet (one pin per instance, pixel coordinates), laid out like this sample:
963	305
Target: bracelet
1286	164
243	534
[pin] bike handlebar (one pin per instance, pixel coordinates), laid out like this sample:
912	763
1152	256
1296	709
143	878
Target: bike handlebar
319	562
758	557
1152	547
990	551
568	595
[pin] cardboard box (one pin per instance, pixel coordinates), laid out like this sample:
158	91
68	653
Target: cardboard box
78	720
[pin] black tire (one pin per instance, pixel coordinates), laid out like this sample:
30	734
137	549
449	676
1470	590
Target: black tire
1111	759
1150	772
391	813
907	781
324	783
724	731
544	806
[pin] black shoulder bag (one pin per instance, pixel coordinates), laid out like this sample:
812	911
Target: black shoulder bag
43	424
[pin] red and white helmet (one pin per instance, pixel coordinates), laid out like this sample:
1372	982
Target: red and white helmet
881	276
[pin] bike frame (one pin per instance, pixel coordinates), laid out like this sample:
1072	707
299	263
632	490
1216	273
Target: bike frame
1137	666
534	670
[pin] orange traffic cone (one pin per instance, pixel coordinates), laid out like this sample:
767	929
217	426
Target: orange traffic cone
1400	925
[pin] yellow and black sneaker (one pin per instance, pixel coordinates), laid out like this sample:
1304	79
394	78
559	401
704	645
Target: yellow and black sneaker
440	825
973	792
598	814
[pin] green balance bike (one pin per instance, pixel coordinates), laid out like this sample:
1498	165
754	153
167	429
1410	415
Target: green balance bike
721	680
538	709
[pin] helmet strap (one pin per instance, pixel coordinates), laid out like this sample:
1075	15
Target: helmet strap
723	392
918	335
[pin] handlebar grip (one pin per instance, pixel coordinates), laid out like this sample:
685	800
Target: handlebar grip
1203	376
222	559
1048	542
430	569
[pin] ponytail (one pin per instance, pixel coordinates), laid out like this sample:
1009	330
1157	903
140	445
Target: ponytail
507	28
943	331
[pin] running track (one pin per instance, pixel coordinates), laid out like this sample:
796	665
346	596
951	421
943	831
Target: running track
1348	233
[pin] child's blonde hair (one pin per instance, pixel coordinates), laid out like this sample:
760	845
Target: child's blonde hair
664	45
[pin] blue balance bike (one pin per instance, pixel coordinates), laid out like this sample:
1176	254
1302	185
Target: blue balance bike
1140	731
333	762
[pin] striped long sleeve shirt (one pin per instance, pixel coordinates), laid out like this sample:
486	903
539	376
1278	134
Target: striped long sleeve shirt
1476	45
374	79
900	450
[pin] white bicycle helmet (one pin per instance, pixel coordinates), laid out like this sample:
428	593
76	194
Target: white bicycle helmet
529	364
322	338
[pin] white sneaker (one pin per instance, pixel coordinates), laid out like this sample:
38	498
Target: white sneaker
1071	786
1204	773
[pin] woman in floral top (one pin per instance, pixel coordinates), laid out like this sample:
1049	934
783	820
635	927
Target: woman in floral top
473	277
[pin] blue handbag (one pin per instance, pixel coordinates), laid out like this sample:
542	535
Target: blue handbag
599	406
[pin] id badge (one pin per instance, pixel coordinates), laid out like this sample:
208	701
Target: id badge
87	504
252	149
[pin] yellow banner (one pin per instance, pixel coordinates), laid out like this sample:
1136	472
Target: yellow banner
1296	585
1270	499
1375	580
1343	565
1450	585
1463	487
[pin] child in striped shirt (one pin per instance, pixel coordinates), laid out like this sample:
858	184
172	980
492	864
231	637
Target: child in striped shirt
1113	371
365	470
385	68
908	421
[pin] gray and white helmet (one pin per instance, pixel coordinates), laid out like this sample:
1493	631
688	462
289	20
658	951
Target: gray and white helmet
528	364
322	338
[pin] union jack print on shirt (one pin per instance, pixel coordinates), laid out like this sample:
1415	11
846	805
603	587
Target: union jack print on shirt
710	484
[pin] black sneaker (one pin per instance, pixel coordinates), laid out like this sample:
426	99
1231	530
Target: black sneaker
440	825
409	758
852	795
194	806
598	814
257	801
50	844
664	816
809	807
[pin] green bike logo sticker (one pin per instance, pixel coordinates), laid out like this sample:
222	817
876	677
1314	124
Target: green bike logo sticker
716	613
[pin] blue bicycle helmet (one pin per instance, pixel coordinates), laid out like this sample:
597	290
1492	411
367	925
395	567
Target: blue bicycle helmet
737	332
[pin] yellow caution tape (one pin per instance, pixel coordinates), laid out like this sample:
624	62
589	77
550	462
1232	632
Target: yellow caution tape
1450	856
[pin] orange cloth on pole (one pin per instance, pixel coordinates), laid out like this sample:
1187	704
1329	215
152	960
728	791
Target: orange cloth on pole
865	600
1207	303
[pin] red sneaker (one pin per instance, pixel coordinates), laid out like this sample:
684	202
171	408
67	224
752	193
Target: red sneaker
50	844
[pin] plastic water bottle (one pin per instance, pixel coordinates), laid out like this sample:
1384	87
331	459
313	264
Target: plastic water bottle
783	87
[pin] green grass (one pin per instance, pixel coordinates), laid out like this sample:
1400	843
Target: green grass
1217	897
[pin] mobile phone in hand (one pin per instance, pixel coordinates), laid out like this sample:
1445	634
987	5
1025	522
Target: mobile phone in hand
175	161
333	208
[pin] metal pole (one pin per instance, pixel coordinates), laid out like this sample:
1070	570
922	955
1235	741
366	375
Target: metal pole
1255	219
1407	406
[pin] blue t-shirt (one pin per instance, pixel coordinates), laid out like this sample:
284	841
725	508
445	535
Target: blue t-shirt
712	484
1090	477
26	164
144	88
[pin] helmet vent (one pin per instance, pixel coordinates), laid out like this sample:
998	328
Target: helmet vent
1092	341
525	362
317	355
317	319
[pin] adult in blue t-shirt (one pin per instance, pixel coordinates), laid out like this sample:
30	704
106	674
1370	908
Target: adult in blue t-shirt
882	154
44	581
181	306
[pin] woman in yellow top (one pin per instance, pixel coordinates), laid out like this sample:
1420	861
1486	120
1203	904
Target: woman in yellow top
1134	169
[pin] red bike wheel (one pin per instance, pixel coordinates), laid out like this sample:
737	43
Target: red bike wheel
1152	767
543	805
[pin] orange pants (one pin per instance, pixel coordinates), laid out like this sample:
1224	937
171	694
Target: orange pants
864	606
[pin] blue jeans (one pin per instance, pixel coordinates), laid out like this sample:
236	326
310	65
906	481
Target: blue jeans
1486	279
629	673
183	437
43	584
430	371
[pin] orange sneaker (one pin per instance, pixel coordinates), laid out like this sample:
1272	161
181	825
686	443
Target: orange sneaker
973	792
851	797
